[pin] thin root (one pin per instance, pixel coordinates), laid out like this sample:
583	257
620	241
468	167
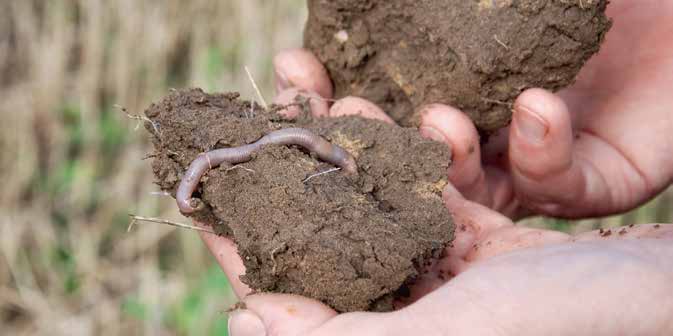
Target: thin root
174	153
210	165
240	167
273	257
135	219
140	119
500	42
254	85
321	173
302	102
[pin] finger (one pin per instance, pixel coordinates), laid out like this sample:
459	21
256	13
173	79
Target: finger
358	106
225	252
243	322
431	278
541	136
317	104
427	280
508	239
440	271
544	172
465	237
556	174
480	233
477	220
300	68
282	314
655	231
473	222
450	126
278	314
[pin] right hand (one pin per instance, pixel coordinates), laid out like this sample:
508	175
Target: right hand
512	281
601	147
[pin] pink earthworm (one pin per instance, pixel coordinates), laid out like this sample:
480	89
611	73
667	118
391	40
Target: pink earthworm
288	136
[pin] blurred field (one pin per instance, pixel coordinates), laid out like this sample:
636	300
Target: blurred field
72	163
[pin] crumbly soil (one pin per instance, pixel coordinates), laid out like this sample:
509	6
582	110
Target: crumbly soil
476	55
349	241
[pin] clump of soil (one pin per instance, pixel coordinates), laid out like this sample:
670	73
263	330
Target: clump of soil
350	241
476	55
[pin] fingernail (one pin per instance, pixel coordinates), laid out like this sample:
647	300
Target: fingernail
530	124
243	322
432	133
282	82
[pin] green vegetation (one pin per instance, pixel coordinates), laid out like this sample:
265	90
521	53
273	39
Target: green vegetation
187	314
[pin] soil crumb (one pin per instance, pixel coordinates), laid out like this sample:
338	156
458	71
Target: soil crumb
350	241
476	55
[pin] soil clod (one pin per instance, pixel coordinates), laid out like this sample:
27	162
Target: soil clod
476	55
301	226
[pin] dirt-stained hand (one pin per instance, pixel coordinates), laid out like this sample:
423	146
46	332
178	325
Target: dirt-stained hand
600	147
512	281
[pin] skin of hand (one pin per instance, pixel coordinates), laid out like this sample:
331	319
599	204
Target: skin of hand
589	288
600	147
496	279
514	281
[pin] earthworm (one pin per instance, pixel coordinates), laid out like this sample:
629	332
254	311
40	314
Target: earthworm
288	136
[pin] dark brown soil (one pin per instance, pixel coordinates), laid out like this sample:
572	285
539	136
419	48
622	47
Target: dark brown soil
476	55
349	241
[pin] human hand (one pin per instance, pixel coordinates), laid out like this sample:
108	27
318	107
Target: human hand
514	281
600	147
609	288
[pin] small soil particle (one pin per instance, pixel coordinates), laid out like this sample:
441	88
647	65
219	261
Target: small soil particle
348	240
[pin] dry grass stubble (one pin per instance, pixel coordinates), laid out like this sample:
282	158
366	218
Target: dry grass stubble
72	169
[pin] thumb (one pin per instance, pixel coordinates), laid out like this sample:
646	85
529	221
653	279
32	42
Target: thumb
278	315
290	315
591	173
546	176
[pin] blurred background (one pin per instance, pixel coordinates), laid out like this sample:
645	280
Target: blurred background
73	168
